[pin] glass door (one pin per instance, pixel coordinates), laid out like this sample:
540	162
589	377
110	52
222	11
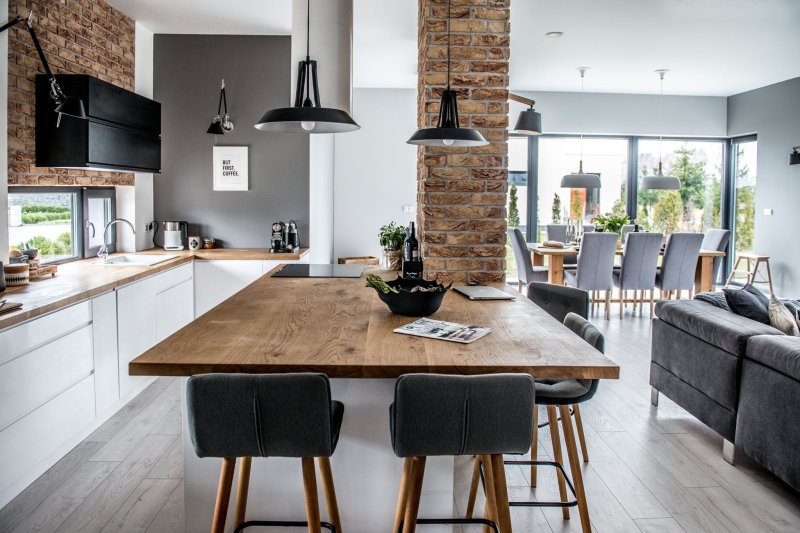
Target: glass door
743	212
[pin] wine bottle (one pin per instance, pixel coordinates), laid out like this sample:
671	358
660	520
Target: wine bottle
412	263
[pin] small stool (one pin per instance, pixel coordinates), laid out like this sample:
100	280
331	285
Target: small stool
282	415
438	415
754	261
561	394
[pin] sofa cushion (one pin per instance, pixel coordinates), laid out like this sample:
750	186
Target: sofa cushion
758	293
717	299
746	304
780	353
781	318
715	326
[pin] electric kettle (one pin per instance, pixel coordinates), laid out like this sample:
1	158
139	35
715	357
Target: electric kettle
175	233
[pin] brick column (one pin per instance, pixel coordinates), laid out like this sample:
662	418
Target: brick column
461	192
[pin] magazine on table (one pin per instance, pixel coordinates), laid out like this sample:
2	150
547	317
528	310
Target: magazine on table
446	331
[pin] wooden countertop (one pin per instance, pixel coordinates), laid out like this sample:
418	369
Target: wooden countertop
341	328
80	280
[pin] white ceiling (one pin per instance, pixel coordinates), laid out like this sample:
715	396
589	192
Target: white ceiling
712	47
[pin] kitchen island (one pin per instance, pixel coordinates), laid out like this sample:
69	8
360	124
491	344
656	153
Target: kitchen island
341	328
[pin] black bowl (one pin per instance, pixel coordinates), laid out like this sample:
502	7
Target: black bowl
413	303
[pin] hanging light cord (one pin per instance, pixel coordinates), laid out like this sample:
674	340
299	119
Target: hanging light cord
448	42
308	43
661	119
583	103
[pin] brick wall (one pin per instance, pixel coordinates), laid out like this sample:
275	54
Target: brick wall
461	192
78	37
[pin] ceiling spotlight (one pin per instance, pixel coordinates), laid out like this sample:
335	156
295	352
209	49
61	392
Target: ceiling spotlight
554	34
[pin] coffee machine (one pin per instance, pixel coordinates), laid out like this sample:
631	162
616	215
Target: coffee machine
175	233
285	238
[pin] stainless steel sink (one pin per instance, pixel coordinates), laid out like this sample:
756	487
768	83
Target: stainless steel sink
131	260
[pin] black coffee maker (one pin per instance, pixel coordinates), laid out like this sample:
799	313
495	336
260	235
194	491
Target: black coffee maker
285	238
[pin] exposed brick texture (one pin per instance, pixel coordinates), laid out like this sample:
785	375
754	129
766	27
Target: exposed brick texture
78	37
461	192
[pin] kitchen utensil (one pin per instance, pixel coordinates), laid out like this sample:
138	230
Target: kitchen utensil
293	238
278	239
8	307
16	275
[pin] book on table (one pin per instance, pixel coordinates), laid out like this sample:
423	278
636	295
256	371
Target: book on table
446	331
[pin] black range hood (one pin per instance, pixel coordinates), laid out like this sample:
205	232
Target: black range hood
122	130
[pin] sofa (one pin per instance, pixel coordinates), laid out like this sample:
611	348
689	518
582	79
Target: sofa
738	376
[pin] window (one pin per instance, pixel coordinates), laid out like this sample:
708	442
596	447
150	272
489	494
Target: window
517	203
697	206
744	154
53	220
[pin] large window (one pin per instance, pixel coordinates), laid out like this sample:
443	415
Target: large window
517	204
697	206
54	221
744	194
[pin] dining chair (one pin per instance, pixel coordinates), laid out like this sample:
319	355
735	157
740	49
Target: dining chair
556	232
626	229
588	228
717	240
679	264
526	272
637	272
595	265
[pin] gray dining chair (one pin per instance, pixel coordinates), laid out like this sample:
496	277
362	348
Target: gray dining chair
716	240
588	228
243	416
526	272
637	272
595	265
556	232
679	264
626	229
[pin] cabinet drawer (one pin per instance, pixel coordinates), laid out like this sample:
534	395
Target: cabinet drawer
29	381
171	278
30	440
21	339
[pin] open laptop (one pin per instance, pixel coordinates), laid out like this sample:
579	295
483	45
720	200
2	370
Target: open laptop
480	292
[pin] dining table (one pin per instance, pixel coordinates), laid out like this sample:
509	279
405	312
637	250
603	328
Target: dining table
340	327
703	277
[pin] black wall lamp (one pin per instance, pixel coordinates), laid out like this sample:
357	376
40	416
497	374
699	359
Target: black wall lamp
794	157
530	120
221	124
65	105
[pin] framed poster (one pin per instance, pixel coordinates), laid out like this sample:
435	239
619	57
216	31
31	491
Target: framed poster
231	168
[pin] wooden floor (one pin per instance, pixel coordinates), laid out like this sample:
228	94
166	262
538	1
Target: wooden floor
651	469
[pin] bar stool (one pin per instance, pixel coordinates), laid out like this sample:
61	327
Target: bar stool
443	415
561	394
754	262
282	415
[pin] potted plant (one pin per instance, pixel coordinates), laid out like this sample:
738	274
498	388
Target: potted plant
611	222
391	239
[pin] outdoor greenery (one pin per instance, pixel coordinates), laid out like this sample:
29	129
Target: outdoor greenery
745	202
611	222
62	246
513	208
556	211
38	214
392	236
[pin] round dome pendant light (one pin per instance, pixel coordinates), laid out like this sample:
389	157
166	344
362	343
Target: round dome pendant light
447	131
307	115
659	181
580	179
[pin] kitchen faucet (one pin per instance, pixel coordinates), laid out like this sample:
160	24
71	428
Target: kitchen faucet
103	251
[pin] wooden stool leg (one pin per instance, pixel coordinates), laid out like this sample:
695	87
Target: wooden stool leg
312	501
223	494
415	490
501	493
552	418
535	444
473	487
652	291
575	468
608	305
490	512
242	488
579	426
330	492
402	497
622	303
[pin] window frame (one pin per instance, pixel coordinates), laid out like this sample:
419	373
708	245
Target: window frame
103	193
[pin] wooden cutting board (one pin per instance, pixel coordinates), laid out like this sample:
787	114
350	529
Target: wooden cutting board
8	307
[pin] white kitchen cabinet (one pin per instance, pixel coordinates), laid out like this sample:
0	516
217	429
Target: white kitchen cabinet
106	360
138	317
216	281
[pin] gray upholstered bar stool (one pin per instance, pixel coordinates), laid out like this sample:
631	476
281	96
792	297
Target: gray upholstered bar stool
679	264
637	271
280	415
443	415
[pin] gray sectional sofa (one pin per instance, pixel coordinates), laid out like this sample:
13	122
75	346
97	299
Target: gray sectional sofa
738	376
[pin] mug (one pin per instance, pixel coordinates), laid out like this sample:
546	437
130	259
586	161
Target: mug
195	243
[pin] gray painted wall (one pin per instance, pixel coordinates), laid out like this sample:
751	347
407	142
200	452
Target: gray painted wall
773	112
257	70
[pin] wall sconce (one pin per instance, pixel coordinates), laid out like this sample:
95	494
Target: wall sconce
65	105
530	120
794	157
221	124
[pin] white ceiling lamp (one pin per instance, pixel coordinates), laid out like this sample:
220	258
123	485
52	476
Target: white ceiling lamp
580	179
659	181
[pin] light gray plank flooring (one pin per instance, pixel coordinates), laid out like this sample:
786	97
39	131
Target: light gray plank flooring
650	469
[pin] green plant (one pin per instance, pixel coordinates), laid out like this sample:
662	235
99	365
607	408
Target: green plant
611	222
392	236
555	212
61	246
513	208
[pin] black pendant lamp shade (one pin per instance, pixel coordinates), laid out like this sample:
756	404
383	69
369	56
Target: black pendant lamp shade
794	157
307	115
447	131
529	122
221	124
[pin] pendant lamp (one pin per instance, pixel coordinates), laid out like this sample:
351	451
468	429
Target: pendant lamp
307	115
580	179
221	125
529	121
659	181
447	131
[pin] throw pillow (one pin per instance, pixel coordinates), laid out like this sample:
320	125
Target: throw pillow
760	296
717	299
747	305
781	318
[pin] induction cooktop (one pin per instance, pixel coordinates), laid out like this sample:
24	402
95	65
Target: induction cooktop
319	271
